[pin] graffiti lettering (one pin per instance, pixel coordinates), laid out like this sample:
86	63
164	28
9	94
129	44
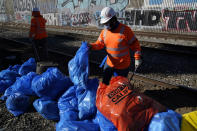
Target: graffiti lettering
180	20
130	17
24	17
65	20
80	19
52	18
74	5
47	6
24	5
146	18
87	13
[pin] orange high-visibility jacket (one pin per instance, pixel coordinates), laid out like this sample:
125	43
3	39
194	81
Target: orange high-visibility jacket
38	28
117	43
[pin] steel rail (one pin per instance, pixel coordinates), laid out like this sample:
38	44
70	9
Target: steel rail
167	35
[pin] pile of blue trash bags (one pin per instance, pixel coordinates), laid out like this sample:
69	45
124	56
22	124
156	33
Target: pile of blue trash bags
68	100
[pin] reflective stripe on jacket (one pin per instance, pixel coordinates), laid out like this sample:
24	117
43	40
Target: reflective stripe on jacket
117	43
38	28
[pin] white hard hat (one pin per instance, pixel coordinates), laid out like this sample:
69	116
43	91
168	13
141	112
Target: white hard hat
35	9
106	14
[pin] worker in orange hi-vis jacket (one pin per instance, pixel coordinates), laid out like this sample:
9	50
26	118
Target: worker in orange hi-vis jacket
118	40
38	35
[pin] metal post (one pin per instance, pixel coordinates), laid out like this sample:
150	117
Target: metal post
133	74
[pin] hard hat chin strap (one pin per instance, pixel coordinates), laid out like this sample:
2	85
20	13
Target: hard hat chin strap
107	26
112	24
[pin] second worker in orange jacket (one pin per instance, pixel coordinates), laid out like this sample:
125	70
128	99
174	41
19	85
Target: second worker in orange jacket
38	35
118	40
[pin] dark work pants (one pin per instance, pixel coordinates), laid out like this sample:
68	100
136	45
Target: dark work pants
40	50
109	72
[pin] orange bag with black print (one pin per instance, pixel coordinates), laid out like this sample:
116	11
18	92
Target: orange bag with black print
125	108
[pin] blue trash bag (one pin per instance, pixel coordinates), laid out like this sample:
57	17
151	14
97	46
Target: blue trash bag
8	75
7	78
68	106
104	123
76	126
17	103
51	84
28	66
4	84
14	68
7	93
47	108
87	99
23	84
104	62
78	66
165	121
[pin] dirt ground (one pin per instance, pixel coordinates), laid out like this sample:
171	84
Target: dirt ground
180	100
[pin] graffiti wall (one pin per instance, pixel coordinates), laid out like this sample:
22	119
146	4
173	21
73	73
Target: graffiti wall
163	15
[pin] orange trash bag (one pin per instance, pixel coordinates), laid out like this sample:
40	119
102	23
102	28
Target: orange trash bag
126	109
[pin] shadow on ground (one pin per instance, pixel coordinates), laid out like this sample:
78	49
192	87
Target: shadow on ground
174	98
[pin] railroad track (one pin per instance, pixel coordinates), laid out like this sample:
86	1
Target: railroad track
91	34
136	76
96	31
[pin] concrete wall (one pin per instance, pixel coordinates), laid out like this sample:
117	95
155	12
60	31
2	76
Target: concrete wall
157	15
